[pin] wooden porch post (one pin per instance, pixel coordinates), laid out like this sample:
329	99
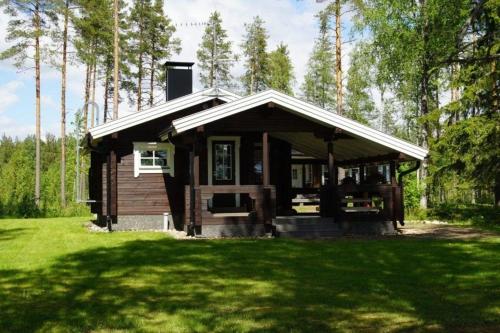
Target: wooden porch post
331	206
392	171
112	181
194	199
331	165
266	178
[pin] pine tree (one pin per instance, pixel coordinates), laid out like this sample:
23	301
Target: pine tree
30	21
93	43
116	57
215	57
161	46
319	80
137	47
254	50
280	76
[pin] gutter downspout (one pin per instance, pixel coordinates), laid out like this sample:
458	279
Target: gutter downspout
401	184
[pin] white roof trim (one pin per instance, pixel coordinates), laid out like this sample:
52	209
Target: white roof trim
304	109
164	109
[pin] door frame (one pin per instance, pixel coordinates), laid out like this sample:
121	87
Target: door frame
237	144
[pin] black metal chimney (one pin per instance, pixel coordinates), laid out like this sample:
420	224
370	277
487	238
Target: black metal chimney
179	79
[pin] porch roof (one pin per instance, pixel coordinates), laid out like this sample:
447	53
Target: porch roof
161	110
365	142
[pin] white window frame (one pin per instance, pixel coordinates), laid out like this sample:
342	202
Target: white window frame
236	172
143	146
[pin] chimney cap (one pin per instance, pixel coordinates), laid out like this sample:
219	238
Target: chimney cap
179	64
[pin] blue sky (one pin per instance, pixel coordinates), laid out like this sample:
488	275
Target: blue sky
288	21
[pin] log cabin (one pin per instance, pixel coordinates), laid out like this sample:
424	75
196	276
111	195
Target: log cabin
217	164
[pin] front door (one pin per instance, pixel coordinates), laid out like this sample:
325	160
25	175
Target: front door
224	171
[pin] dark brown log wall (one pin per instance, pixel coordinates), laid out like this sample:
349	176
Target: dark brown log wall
148	194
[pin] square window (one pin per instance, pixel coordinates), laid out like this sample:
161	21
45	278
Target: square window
153	158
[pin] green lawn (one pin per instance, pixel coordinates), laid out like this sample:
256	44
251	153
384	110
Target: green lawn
55	276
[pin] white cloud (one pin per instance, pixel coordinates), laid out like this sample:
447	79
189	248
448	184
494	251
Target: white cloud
292	22
283	20
9	94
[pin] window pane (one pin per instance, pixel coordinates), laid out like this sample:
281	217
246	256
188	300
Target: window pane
161	162
223	161
146	162
161	154
147	153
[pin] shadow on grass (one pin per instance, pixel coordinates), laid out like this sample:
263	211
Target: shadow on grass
259	286
9	234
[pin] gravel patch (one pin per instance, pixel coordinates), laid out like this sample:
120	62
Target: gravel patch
442	230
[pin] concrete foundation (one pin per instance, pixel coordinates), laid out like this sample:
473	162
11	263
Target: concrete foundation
232	230
139	222
368	228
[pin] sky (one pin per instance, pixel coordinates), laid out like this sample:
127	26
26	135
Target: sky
290	21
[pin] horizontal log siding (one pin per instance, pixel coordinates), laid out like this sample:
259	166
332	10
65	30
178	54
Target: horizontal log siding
142	195
148	194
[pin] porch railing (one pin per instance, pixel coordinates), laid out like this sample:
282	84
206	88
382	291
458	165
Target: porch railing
261	205
377	202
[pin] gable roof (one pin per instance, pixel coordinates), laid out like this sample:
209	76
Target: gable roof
301	108
161	110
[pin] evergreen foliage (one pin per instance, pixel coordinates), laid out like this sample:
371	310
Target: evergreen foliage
254	48
359	102
215	57
17	163
150	41
319	81
281	75
414	54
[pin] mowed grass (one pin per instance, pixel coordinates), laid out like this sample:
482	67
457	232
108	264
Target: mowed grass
55	276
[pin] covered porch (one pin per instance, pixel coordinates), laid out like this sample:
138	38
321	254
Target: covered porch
252	170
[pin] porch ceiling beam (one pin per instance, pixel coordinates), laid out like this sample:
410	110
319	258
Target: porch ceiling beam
374	159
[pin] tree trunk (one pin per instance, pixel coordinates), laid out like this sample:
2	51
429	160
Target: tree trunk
87	97
116	56
424	98
212	63
338	57
139	83
152	77
106	92
94	74
37	115
140	65
63	106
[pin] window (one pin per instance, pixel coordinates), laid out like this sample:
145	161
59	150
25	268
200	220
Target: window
153	157
223	161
